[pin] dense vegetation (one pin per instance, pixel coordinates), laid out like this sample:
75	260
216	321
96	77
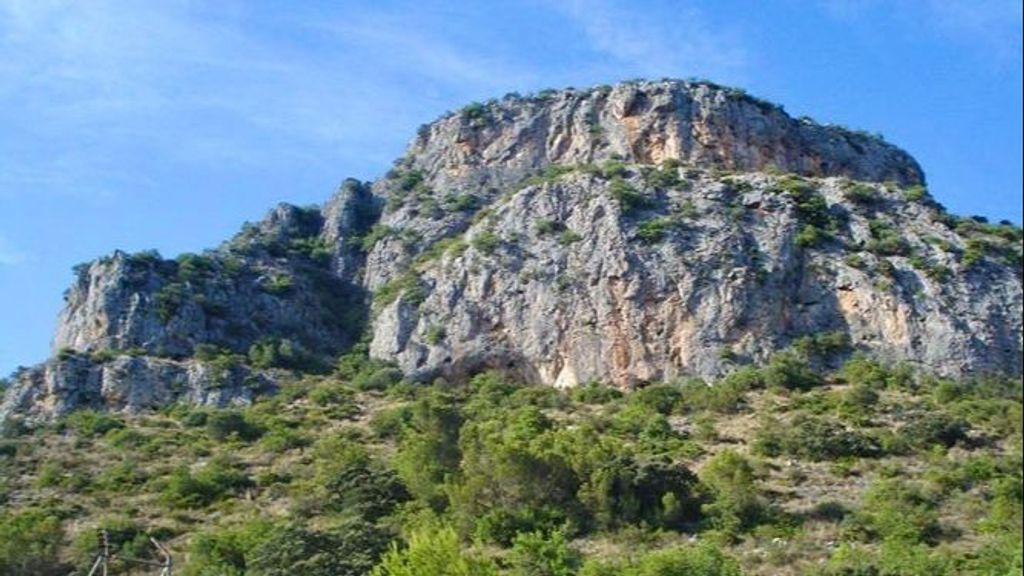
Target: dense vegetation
780	469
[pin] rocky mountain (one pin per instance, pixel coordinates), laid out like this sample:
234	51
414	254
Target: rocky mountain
626	234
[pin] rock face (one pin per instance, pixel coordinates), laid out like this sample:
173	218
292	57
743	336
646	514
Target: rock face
129	384
625	234
290	276
563	285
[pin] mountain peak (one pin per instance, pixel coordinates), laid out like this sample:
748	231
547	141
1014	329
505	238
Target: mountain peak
697	123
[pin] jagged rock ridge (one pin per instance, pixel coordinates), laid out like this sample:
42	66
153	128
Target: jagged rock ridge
627	234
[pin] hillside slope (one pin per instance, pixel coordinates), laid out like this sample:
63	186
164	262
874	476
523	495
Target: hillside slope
656	329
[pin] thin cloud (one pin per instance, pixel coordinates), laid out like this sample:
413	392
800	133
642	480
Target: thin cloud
405	50
992	27
676	40
9	254
203	88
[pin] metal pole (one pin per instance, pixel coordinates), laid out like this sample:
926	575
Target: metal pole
167	571
96	564
106	552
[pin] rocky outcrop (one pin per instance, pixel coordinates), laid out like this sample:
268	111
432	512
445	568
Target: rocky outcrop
139	331
697	123
288	277
563	284
631	233
482	150
127	383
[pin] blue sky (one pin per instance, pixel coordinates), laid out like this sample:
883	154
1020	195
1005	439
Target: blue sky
167	123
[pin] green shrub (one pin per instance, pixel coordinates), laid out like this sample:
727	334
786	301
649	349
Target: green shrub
537	554
225	424
894	509
815	438
569	237
278	284
862	371
365	373
810	236
433	551
661	398
218	478
666	176
429	450
282	353
390	422
704	559
653	231
861	193
629	198
688	210
409	287
486	242
811	207
612	169
194	268
624	490
90	423
546	227
974	252
789	370
314	248
126	538
29	543
379	379
855	261
409	180
473	111
934	428
503	526
859	399
329	393
915	193
886	241
225	551
168	300
724	396
434	335
281	439
822	346
595	393
351	549
451	245
461	203
121	477
348	481
736	504
377	233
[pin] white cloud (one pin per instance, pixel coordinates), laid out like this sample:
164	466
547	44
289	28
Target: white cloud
676	40
993	28
993	25
201	84
10	255
85	85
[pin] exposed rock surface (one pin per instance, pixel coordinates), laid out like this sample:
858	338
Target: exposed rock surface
626	234
563	286
126	383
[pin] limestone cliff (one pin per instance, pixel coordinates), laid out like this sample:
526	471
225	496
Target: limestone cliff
630	233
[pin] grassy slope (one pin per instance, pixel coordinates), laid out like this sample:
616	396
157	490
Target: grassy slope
865	467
